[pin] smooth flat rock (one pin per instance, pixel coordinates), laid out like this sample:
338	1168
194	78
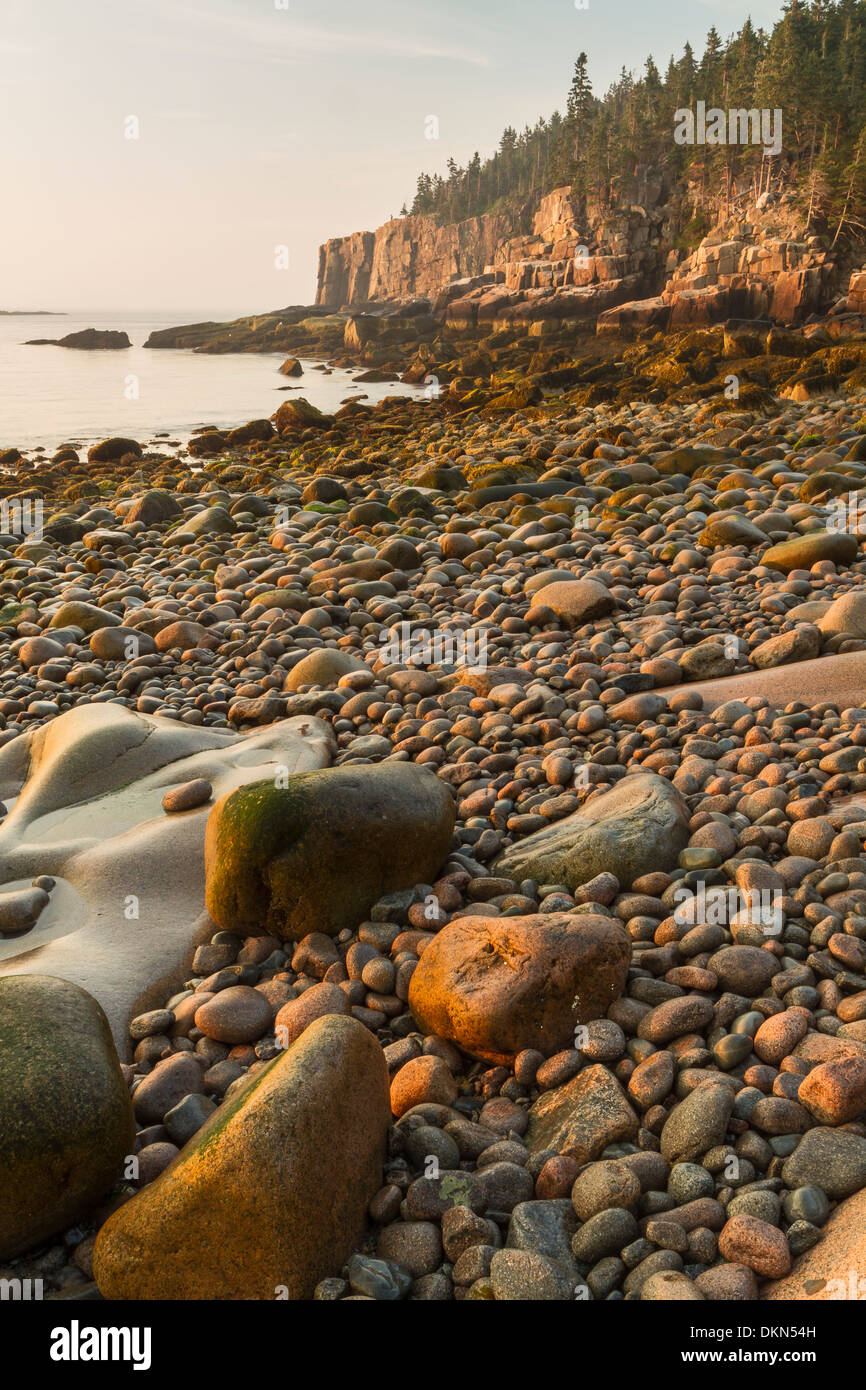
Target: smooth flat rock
639	826
128	907
839	678
825	1272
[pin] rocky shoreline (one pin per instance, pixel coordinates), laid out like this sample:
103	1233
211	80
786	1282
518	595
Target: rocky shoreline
434	835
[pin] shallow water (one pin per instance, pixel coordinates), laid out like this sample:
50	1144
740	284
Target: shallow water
51	395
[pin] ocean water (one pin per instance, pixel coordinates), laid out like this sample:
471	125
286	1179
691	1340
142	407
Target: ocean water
53	395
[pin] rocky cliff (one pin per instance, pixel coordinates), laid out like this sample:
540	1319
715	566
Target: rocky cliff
543	259
624	263
410	257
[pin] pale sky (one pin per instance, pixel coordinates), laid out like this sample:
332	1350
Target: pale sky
268	123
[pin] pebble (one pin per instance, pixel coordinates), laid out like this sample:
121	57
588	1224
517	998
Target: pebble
187	797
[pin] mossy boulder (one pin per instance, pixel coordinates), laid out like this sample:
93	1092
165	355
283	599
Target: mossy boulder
63	528
828	483
520	397
315	854
153	507
76	613
253	432
76	491
117	447
210	442
409	501
13	613
67	1114
441	478
299	414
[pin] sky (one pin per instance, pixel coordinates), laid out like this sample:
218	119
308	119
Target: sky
189	156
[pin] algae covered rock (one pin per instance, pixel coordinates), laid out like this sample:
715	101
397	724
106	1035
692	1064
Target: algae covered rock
109	450
299	414
67	1115
315	854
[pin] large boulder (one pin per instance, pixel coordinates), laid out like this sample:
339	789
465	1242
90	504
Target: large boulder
832	1159
316	854
497	985
846	614
706	661
727	528
577	601
299	414
270	1196
213	521
802	552
802	643
153	507
109	450
322	666
67	1114
640	825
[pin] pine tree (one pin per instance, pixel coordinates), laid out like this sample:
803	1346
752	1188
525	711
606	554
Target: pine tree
811	65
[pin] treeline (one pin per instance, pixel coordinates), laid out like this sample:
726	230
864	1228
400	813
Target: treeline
812	68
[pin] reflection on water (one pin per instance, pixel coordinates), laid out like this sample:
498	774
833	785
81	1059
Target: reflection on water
51	395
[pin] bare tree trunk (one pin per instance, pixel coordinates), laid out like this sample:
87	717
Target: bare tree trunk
849	193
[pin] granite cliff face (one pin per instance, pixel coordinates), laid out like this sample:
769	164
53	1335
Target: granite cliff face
410	257
623	263
543	259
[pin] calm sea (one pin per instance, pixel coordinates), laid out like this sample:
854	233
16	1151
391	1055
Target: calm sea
53	395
